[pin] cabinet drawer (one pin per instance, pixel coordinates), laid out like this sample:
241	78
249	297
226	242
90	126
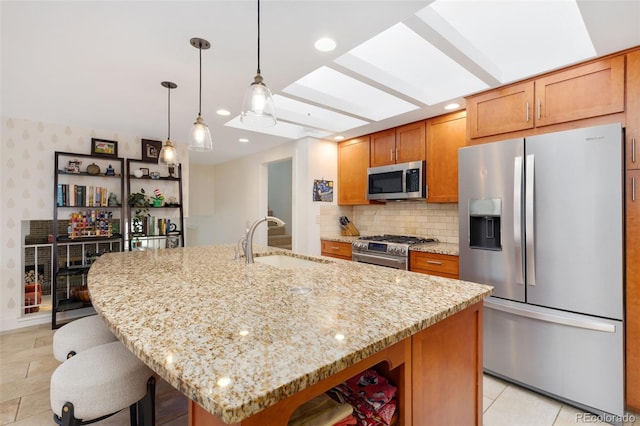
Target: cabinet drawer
336	249
435	264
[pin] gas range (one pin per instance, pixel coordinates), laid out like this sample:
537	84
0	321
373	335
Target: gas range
386	250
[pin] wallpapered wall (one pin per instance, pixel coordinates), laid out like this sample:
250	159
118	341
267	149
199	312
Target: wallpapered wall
26	191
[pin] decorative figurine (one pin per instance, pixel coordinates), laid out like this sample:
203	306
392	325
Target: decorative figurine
113	199
110	171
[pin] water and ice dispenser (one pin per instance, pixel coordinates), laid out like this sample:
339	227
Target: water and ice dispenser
484	223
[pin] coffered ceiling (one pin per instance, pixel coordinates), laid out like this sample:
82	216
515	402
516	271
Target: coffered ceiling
99	64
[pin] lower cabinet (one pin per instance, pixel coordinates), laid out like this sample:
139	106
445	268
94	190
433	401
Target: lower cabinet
442	265
337	249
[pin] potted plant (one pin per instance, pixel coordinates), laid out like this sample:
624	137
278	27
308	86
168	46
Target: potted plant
140	202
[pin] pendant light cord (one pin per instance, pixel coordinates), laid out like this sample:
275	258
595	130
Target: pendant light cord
258	36
169	113
200	92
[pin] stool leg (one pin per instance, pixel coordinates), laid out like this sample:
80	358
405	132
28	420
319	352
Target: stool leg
133	414
68	416
147	405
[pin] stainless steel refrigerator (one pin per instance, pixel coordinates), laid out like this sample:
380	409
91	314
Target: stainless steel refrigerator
541	220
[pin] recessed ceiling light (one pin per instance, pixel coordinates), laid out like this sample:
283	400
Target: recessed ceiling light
223	112
243	140
339	138
325	44
451	106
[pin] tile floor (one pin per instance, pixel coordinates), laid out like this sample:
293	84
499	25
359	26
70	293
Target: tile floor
26	365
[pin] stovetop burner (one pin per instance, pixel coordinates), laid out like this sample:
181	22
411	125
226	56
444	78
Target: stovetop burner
400	239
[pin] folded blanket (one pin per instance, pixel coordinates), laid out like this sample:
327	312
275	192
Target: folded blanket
372	388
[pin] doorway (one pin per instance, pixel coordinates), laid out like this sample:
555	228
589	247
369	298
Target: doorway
279	202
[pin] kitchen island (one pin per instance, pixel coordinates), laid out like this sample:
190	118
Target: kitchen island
249	343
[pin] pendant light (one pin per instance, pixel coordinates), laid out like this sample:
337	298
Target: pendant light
199	136
168	154
257	106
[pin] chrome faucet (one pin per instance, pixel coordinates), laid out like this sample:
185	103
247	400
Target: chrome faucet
247	241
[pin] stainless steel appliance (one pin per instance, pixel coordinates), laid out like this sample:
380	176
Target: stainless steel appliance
541	221
386	250
404	181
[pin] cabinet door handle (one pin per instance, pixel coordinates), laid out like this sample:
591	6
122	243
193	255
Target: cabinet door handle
335	248
539	108
633	150
526	114
397	154
633	189
434	262
391	154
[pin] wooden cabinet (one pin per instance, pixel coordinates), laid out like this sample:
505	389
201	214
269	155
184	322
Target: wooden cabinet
632	217
589	90
633	289
383	148
336	249
353	162
447	371
445	134
398	145
443	265
633	111
503	110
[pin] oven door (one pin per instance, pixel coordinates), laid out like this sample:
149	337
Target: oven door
379	259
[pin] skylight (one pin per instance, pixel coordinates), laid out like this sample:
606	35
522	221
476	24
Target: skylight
519	38
328	87
402	60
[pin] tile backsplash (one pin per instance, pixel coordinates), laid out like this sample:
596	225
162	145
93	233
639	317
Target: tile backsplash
402	218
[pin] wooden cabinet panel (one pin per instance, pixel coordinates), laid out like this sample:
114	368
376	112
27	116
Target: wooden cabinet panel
445	134
447	371
398	145
353	161
336	249
633	111
383	148
443	265
587	91
633	290
500	111
410	142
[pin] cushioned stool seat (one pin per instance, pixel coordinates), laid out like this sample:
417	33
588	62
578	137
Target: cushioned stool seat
101	381
80	335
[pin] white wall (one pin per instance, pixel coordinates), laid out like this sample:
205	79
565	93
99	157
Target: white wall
241	192
26	193
201	227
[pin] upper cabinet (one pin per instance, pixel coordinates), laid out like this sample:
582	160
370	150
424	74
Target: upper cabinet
585	91
633	111
445	134
353	161
398	145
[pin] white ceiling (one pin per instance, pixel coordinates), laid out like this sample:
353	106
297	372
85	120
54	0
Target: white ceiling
99	64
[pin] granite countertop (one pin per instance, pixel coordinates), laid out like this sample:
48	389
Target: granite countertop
438	248
238	338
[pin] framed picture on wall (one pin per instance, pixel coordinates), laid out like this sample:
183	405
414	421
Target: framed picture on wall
104	148
151	150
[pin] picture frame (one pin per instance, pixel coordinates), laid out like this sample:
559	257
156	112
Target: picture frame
145	171
151	151
104	148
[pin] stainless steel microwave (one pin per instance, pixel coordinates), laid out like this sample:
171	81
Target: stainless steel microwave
404	181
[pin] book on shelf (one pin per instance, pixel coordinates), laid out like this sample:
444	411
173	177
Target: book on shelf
72	195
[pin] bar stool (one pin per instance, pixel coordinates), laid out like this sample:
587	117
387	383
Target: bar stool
80	335
99	382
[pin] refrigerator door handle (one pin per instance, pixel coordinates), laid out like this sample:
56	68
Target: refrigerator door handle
517	219
529	220
590	324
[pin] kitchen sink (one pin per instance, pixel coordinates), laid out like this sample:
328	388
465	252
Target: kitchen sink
286	261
